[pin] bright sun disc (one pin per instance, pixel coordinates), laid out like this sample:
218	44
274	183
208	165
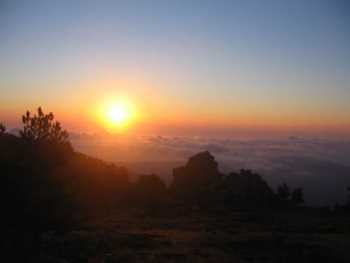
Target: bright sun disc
117	114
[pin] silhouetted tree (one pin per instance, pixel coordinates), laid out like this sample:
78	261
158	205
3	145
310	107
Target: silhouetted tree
2	128
42	127
35	195
45	185
193	181
245	188
149	192
283	192
297	196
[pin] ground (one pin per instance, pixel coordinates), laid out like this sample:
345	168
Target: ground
193	236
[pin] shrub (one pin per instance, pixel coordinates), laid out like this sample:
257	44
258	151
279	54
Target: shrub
2	128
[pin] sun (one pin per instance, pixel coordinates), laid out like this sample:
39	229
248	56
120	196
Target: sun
117	114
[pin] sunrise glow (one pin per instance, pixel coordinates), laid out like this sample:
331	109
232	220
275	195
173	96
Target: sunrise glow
149	126
256	70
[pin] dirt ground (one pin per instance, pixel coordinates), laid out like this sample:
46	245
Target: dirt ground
191	236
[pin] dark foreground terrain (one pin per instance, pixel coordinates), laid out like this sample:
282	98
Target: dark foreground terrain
61	206
192	236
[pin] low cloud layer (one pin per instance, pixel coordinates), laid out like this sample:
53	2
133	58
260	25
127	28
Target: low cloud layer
321	166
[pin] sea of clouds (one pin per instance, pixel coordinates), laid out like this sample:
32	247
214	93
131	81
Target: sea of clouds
321	166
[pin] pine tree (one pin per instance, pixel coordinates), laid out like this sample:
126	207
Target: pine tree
42	127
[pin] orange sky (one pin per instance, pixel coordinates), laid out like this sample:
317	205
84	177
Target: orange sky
80	109
186	67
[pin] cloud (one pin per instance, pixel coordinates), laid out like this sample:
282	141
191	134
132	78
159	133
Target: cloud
321	166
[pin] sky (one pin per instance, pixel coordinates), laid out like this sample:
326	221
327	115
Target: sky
193	67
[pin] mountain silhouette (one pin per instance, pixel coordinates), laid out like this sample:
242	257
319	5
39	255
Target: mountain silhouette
60	205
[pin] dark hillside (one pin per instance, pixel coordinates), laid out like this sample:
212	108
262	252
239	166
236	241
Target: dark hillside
63	206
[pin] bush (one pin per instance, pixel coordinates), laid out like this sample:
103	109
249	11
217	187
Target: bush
2	128
288	197
149	192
